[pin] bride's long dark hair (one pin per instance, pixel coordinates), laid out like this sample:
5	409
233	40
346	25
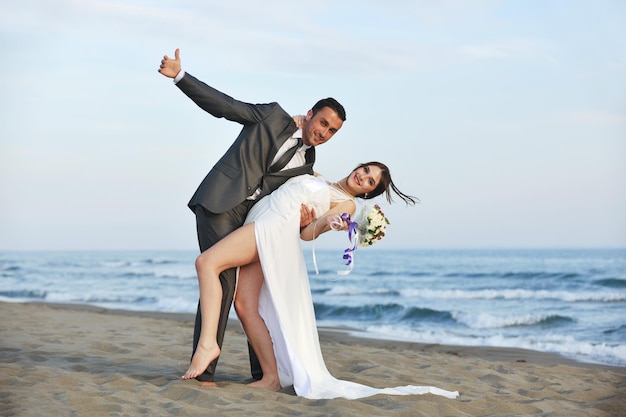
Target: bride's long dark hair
386	186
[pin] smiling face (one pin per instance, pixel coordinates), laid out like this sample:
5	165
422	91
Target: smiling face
321	126
364	179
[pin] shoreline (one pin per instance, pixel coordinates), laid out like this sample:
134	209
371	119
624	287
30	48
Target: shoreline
347	335
70	359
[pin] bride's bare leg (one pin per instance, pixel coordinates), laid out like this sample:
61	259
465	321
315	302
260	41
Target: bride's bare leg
238	248
247	307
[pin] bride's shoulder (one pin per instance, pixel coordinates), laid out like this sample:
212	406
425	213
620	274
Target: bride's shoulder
320	177
302	178
309	182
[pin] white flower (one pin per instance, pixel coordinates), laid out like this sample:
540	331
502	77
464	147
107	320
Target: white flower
371	225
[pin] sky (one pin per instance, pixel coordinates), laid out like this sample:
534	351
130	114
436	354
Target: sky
506	118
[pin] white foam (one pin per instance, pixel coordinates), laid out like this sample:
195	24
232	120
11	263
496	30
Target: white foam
601	353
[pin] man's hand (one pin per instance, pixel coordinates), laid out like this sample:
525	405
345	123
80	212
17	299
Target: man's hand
170	67
306	216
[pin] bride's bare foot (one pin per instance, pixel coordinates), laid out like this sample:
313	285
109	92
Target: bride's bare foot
201	360
272	384
208	384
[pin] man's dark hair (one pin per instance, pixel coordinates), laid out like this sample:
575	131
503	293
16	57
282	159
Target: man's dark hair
331	103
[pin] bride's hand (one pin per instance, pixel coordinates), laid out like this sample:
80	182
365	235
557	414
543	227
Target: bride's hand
306	216
298	120
337	222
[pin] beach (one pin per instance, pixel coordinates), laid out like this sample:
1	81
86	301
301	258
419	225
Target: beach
74	360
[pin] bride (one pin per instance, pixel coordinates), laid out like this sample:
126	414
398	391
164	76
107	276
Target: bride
273	298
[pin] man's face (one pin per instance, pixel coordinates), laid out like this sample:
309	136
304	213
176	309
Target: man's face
320	127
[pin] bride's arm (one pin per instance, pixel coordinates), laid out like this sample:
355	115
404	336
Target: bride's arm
322	224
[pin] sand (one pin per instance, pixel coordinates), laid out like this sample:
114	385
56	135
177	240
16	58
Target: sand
67	360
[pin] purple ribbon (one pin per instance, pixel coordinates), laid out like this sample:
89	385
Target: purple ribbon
352	237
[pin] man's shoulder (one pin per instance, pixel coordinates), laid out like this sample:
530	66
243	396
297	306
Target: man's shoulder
274	113
278	110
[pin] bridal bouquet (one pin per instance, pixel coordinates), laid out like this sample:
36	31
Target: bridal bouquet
371	224
368	227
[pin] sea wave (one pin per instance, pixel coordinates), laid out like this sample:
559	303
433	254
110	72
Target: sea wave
565	345
617	333
344	290
520	275
159	261
132	274
115	264
121	300
391	312
9	268
515	294
426	314
612	282
23	295
368	312
492	321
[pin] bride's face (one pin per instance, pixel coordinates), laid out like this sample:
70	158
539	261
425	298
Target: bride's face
364	179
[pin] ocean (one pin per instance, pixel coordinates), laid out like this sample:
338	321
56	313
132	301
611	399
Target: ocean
570	301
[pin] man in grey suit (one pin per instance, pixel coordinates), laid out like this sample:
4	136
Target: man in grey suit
257	163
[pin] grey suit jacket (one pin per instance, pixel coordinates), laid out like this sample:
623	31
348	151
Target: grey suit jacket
245	165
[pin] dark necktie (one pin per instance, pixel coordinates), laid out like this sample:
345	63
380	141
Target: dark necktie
286	157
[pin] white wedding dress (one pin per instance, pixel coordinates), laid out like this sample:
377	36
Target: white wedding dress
285	302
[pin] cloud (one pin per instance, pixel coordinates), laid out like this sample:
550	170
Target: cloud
508	49
597	117
355	39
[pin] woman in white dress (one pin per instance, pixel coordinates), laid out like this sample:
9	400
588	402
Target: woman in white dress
290	353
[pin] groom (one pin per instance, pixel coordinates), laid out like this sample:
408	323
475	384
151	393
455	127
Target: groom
260	160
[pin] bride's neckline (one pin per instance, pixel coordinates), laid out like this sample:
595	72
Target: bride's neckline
340	188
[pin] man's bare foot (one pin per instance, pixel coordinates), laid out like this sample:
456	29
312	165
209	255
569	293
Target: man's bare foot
272	384
201	360
208	384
